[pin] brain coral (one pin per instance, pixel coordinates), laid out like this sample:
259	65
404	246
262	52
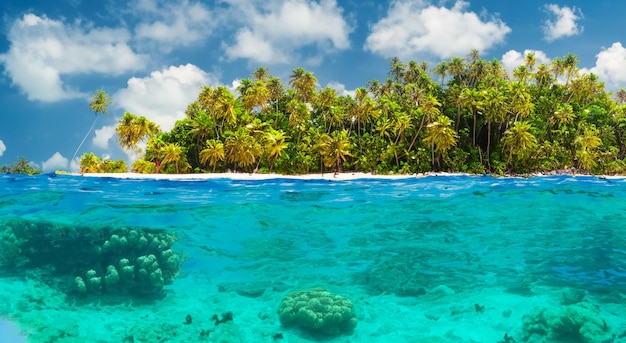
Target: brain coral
318	312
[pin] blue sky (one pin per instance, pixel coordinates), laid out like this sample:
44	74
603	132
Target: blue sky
153	56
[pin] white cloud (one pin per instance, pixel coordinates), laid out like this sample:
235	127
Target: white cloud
163	96
103	135
55	162
563	22
75	165
173	24
278	32
3	148
412	28
610	66
42	51
513	58
341	88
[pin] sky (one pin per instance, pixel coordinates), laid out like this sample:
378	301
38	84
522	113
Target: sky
153	56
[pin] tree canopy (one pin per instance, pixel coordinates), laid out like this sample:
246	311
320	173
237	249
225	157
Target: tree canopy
464	115
21	166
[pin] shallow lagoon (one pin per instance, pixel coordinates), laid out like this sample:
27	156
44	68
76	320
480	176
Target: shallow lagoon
435	259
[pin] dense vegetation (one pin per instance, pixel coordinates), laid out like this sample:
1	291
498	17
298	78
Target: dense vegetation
21	166
476	119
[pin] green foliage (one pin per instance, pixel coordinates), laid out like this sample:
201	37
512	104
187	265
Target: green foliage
21	166
142	166
481	121
90	163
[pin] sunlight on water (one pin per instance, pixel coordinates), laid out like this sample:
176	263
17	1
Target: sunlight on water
437	259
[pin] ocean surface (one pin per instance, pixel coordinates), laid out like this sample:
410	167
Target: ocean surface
433	259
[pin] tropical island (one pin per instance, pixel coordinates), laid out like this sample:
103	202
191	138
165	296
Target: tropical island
465	115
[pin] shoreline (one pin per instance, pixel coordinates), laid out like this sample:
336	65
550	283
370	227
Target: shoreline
346	176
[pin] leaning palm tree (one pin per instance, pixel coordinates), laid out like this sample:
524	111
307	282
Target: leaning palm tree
99	104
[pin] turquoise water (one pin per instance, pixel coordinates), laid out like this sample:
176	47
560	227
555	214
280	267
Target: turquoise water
435	259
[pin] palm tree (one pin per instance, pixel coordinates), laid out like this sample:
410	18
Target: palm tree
493	107
275	145
530	60
261	73
520	101
255	96
429	109
242	149
132	129
303	83
335	149
587	144
173	153
620	96
202	128
441	136
519	139
154	152
441	69
100	103
213	153
298	113
456	69
90	163
401	124
570	67
276	90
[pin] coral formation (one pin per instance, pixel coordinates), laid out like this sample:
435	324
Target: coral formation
580	322
318	312
101	260
155	264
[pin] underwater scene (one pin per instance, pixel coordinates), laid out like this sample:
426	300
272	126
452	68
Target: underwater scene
433	259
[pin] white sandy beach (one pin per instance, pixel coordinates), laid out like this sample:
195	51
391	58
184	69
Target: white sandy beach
255	176
326	176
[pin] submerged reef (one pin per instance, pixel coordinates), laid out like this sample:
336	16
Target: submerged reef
318	312
98	260
577	323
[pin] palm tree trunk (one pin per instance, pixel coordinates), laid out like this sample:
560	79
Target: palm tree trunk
83	141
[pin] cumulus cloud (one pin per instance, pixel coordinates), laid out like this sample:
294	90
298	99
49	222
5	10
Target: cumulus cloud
3	148
163	96
75	165
412	28
341	88
42	51
173	24
611	66
103	135
562	22
513	58
279	32
55	162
